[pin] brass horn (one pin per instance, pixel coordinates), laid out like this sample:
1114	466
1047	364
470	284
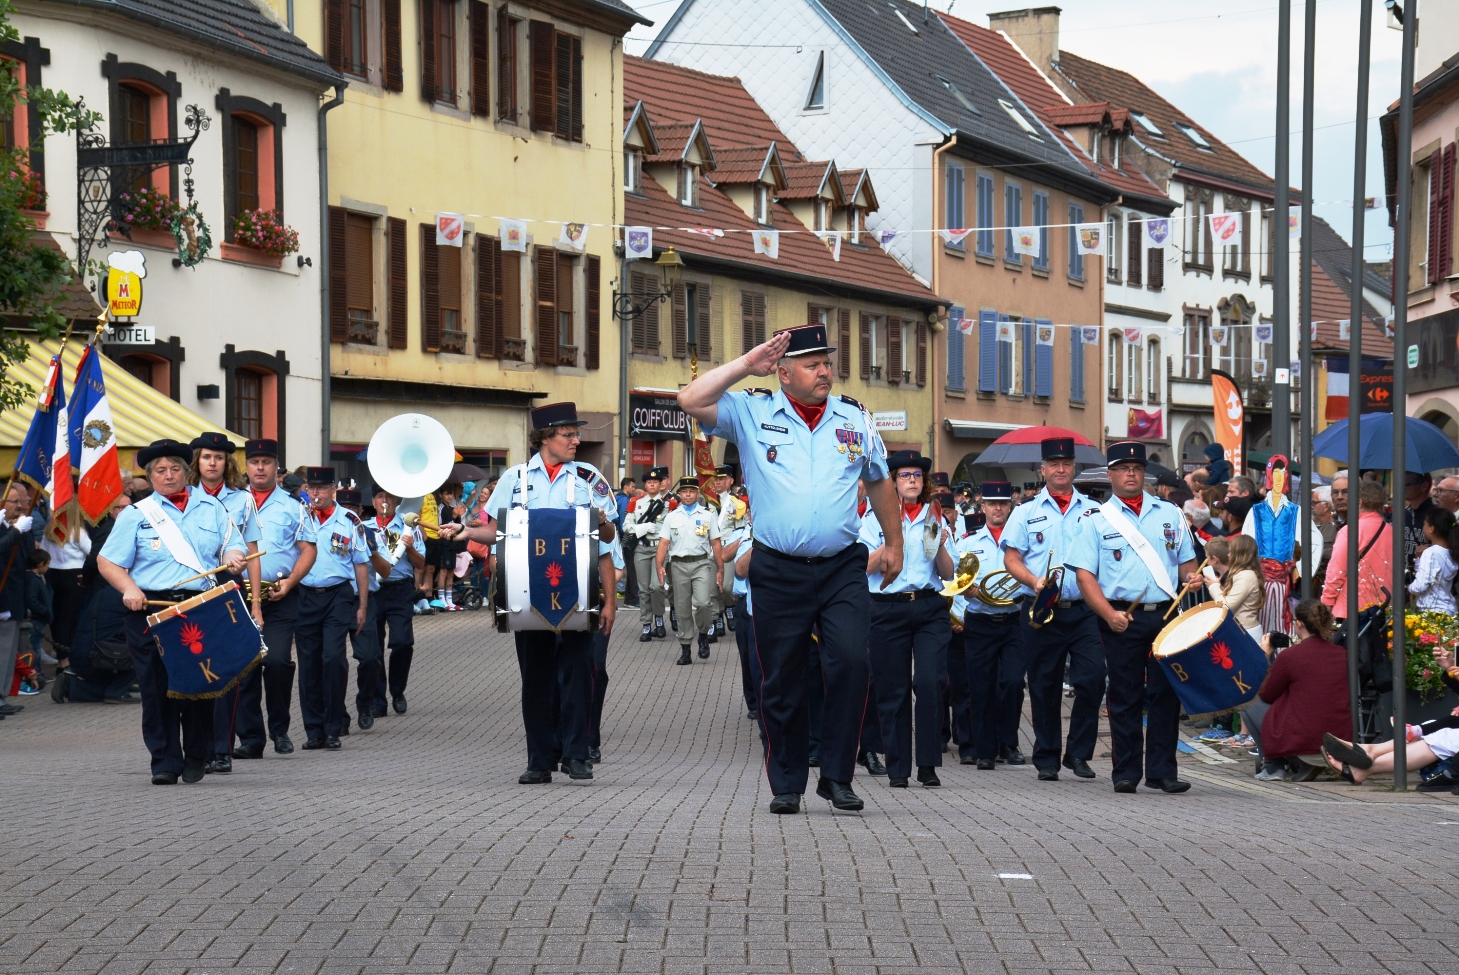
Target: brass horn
966	574
999	589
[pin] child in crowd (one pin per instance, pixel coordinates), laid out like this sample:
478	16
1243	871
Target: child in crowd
1234	580
38	609
1433	582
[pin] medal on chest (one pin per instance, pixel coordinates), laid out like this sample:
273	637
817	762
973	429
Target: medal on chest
701	528
1039	537
850	442
156	544
1169	536
770	454
1119	554
339	545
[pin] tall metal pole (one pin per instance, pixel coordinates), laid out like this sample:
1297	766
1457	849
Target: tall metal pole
1304	317
1281	265
1400	389
1355	355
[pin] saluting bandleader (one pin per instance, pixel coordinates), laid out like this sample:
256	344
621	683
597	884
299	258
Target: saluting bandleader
803	451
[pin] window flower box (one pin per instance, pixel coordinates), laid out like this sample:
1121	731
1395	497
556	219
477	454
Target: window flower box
266	232
243	254
37	218
31	192
147	209
161	239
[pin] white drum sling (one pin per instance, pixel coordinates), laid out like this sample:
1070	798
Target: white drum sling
547	563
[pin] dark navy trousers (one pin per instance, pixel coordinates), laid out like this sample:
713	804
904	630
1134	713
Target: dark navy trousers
994	659
1134	676
907	652
1074	636
745	640
171	728
396	611
793	595
326	618
556	695
272	682
598	654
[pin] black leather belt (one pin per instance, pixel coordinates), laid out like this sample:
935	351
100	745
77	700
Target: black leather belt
802	559
397	582
1068	603
688	558
1000	617
1125	605
910	596
170	595
326	588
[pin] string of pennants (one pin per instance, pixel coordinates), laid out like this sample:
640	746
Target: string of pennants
1220	334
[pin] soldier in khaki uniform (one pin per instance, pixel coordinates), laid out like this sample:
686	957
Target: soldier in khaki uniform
643	519
729	523
689	559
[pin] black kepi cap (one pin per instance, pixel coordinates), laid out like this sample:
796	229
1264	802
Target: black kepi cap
261	448
687	481
213	441
657	474
939	478
805	339
724	470
348	496
158	449
319	475
997	491
909	458
555	415
1058	448
1124	451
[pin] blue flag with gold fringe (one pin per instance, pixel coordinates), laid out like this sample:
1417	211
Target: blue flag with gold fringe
207	643
552	563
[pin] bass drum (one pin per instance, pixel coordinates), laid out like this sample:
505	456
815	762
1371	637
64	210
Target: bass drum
510	586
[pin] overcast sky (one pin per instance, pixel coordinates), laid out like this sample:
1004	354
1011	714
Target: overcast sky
1221	69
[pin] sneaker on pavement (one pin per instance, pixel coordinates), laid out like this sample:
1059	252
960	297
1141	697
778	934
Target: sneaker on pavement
27	689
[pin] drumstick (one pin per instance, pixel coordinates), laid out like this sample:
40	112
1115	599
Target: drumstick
1187	589
159	602
221	568
1130	610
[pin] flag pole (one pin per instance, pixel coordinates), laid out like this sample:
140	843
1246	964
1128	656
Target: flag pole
1281	249
1304	317
10	482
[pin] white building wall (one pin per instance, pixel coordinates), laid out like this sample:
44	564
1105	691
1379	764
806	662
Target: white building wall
220	302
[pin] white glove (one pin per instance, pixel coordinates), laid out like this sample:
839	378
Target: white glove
642	530
23	523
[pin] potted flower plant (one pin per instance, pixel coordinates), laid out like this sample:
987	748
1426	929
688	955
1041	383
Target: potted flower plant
265	232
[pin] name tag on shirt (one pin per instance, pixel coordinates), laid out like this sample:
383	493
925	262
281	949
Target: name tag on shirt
773	428
1035	521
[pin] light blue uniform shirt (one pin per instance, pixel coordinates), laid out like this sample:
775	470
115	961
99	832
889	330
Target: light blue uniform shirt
584	483
135	545
284	524
341	541
615	549
918	571
241	510
990	559
1099	548
1037	526
802	482
402	568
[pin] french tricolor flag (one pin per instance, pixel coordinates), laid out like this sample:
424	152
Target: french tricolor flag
59	485
93	439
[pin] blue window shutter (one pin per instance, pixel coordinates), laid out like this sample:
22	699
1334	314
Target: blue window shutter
985	214
1028	347
1076	365
1005	360
956	377
1043	382
987	352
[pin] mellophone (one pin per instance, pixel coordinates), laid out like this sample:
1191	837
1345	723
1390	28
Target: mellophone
998	588
207	643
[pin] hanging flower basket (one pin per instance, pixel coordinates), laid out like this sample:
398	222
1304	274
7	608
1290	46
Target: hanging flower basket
265	230
193	237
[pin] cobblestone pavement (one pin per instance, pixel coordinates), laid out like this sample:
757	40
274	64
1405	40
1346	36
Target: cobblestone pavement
414	850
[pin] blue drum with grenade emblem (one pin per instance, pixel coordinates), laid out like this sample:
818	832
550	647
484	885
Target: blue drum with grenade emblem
207	643
1210	660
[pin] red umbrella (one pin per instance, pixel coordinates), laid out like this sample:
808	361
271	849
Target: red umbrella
1021	447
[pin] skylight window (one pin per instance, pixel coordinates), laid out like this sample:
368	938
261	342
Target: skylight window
1193	135
957	93
817	97
1017	116
1146	124
903	18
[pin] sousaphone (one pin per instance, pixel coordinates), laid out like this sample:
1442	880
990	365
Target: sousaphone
411	455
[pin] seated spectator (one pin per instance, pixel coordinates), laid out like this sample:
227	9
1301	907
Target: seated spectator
1356	762
101	666
1433	582
38	607
1234	580
1375	548
1304	696
1218	469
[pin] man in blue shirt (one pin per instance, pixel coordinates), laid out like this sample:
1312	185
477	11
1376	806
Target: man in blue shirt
406	545
1130	555
287	540
1038	531
334	601
365	644
802	452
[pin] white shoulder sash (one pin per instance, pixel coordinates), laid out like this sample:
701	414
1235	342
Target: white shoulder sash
1120	523
177	544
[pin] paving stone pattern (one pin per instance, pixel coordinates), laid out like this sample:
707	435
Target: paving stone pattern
414	850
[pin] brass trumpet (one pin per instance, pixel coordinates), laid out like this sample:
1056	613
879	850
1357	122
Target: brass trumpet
967	571
268	586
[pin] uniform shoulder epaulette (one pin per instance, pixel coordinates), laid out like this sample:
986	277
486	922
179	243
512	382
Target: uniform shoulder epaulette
586	473
851	402
1090	511
758	391
351	515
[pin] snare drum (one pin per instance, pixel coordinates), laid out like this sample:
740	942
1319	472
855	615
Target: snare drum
1210	660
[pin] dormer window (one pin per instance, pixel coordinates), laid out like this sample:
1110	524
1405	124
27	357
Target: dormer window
823	215
689	185
762	203
632	170
853	223
1115	141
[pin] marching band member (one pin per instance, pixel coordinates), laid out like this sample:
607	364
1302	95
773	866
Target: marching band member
803	452
216	472
1131	554
907	643
289	551
395	609
726	502
365	645
688	560
556	663
155	544
1042	527
992	647
334	601
644	520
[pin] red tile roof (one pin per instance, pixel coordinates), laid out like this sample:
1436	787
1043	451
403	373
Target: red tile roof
731	117
1330	305
740	165
673	138
1089	113
805	180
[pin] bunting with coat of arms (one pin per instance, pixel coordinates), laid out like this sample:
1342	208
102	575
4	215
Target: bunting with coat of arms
1225	229
767	242
513	234
574	235
1026	241
954	236
1044	334
1157	232
638	243
1090	237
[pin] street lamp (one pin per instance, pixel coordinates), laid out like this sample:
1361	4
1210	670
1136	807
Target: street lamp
670	266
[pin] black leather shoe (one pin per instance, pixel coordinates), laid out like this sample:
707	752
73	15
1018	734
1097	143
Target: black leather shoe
380	712
367	720
897	783
333	743
399	705
986	765
659	627
703	647
595	755
248	751
578	768
1079	767
1012	756
647	634
966	760
927	775
1172	786
208	767
223	765
814	761
685	657
164	778
282	745
1442	782
752	714
345	731
674	619
531	777
313	744
1048	775
1125	785
872	764
786	803
192	770
840	795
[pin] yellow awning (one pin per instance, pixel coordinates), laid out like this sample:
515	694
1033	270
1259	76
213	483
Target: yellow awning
140	414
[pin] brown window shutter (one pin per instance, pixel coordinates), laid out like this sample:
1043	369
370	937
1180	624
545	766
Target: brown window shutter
1436	206
1156	278
488	295
506	65
394	65
430	284
1134	230
544	272
865	346
681	322
706	346
563	86
339	323
334	34
894	350
638	337
577	89
1445	259
747	321
812	313
510	322
921	354
843	342
399	286
566	305
593	271
480	16
427	49
543	41
651	318
359	269
1246	241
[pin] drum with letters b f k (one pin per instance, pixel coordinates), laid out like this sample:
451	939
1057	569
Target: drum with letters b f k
1210	660
207	643
547	569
